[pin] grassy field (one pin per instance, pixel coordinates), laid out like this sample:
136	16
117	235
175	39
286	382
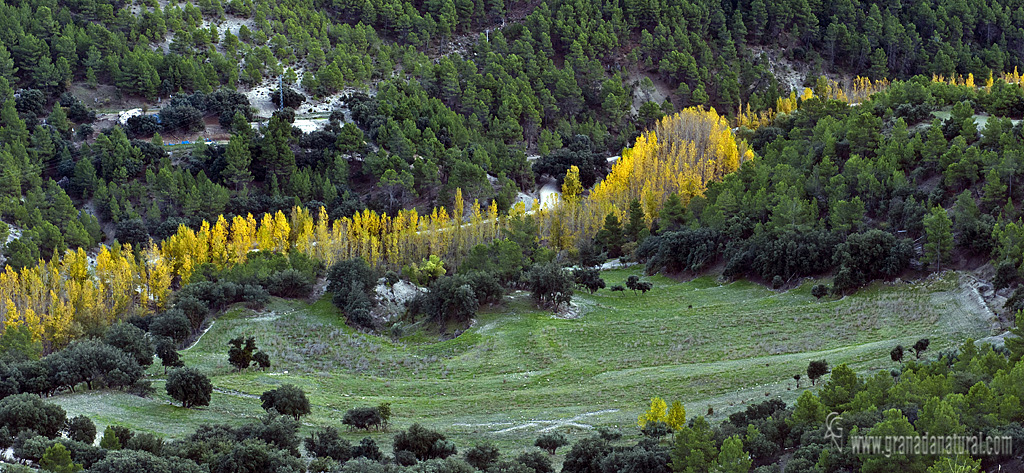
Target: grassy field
519	371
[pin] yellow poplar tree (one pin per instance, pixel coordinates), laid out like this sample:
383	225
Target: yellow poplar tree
158	276
219	243
655	414
676	417
58	324
265	234
281	232
571	186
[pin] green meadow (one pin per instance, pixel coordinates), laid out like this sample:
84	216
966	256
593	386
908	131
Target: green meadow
519	371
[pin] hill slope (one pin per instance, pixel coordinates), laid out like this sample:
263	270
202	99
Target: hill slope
519	371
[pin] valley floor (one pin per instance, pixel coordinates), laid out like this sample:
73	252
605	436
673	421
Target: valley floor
520	371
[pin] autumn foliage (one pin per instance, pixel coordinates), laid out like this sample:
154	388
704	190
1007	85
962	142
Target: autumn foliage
61	299
856	91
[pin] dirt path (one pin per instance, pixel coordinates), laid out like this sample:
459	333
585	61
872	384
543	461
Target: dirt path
543	425
200	336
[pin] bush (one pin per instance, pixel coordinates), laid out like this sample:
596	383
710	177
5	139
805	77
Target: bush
655	430
537	461
365	418
405	458
144	441
57	460
869	255
81	429
792	254
451	299
181	117
289	400
90	361
816	369
550	285
16	345
33	449
85	131
367	448
194	309
609	434
255	455
352	284
123	434
635	284
426	271
143	462
584	454
142	126
168	354
255	297
292	98
423	443
262	360
486	287
444	449
358	307
551	441
189	387
131	340
241	355
819	291
34	376
290	283
326	443
141	388
132	231
777	282
76	110
482	455
509	466
24	412
1006	274
685	250
590	279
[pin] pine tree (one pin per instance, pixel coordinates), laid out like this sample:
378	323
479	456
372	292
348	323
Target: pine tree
241	126
57	459
732	458
610	237
938	236
694	448
238	158
59	120
1016	343
636	225
276	151
12	127
993	192
7	69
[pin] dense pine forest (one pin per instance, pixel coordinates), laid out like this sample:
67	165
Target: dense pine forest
156	171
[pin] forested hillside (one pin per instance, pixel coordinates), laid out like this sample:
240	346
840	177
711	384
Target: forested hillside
162	162
866	191
569	81
436	106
